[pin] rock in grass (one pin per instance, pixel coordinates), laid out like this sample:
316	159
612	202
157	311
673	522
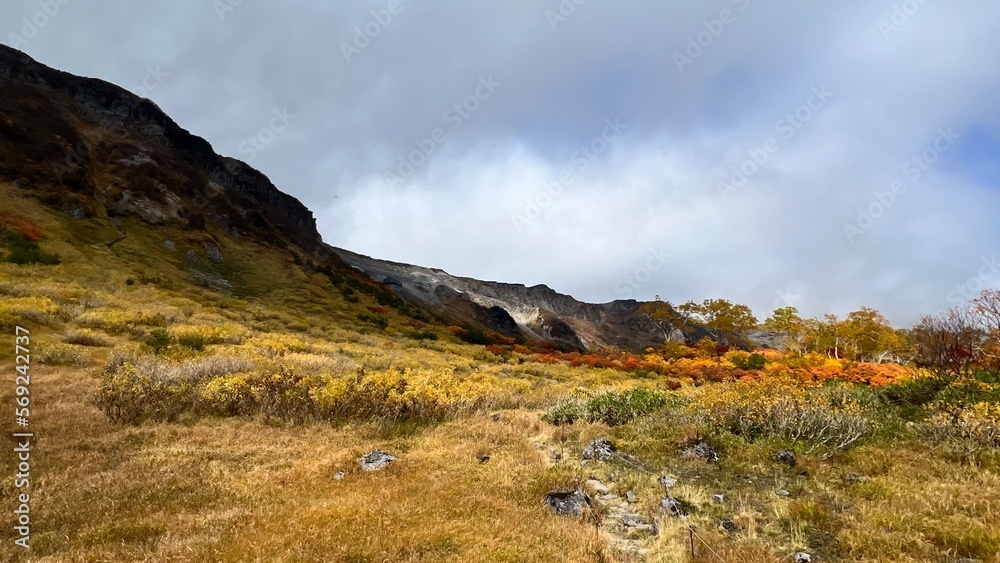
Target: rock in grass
600	449
802	557
675	507
703	451
667	481
785	456
718	499
375	460
567	503
783	493
597	486
631	497
339	475
855	478
729	525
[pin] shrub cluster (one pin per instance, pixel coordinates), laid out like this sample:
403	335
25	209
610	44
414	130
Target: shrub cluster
611	408
136	389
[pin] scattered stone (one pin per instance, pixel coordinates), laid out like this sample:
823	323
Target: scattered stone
632	520
339	475
556	455
496	417
567	503
170	244
673	506
596	486
213	253
802	557
785	456
483	458
631	497
729	525
703	451
600	449
718	499
667	481
783	493
855	478
584	461
375	460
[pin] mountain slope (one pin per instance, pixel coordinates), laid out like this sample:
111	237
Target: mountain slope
538	312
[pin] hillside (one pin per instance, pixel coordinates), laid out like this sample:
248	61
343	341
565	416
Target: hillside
205	380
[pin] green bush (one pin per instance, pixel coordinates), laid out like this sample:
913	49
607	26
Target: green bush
25	251
158	341
474	336
421	334
612	408
377	320
193	341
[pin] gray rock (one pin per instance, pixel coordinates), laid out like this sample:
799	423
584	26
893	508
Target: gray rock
802	557
718	499
170	245
600	449
703	451
632	520
729	525
375	460
483	457
855	478
339	475
596	486
673	506
666	481
567	503
213	253
785	456
631	497
783	493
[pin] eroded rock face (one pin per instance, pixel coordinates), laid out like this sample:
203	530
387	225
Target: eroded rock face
600	449
567	503
375	460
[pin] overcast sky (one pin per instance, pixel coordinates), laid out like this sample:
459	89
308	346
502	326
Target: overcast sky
821	155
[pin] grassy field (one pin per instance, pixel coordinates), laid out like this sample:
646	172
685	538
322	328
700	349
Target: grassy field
189	411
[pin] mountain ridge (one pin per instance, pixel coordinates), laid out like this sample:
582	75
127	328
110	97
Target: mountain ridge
93	150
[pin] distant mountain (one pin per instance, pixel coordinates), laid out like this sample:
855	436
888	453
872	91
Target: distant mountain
96	152
536	312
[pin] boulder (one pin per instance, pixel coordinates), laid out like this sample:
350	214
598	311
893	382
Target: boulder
600	449
802	557
375	460
567	503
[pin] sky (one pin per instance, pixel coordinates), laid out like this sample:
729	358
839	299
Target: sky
826	156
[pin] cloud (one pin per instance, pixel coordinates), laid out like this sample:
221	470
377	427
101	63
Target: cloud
898	72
